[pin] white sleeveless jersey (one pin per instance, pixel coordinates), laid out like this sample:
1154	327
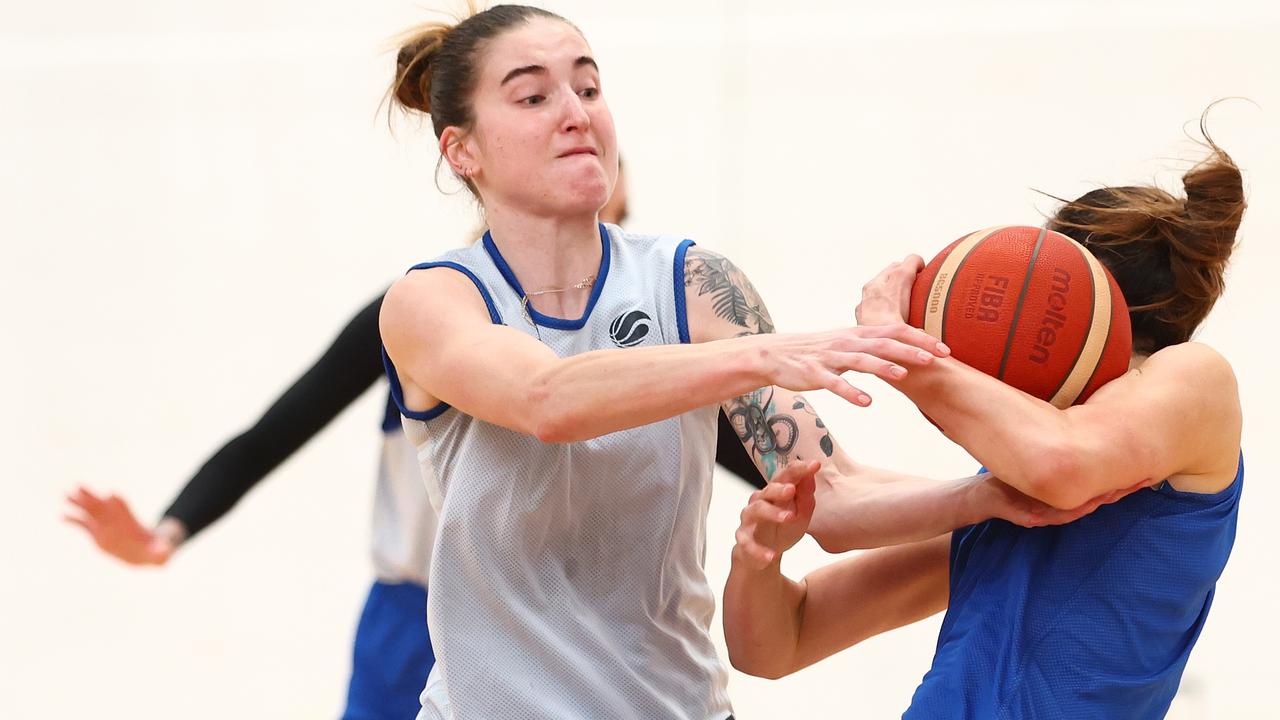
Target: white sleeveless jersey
567	578
404	522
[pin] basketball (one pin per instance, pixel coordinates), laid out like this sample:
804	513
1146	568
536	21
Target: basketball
1028	306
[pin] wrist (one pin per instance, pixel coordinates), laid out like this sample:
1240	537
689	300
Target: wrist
171	531
747	568
758	359
977	500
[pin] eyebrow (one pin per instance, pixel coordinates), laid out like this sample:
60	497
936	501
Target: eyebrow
540	69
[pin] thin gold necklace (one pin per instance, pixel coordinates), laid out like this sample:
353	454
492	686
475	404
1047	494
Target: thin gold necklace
582	284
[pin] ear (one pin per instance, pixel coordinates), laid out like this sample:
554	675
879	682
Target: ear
457	148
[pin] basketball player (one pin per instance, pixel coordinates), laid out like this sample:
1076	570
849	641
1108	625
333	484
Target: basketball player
392	654
562	376
1092	619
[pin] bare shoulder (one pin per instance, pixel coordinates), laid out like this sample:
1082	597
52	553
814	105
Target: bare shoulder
722	301
1205	381
1192	360
1196	372
424	299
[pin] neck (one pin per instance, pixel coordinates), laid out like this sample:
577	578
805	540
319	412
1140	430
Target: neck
549	253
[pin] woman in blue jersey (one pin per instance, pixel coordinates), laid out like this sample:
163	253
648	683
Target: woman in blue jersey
1091	619
562	376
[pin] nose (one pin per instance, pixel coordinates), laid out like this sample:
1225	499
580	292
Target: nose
574	116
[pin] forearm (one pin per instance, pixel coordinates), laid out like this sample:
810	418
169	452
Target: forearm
345	371
762	610
870	593
775	626
605	391
874	508
1022	440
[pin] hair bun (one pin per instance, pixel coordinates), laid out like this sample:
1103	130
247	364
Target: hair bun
419	45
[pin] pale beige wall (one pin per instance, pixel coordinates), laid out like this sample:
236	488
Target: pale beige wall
196	197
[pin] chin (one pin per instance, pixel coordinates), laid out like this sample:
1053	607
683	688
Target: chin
585	200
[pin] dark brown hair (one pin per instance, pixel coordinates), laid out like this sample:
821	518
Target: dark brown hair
1167	253
437	64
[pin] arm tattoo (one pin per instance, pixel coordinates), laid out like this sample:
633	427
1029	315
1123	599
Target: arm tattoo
825	442
768	434
733	296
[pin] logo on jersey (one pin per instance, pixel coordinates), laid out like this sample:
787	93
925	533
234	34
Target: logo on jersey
628	329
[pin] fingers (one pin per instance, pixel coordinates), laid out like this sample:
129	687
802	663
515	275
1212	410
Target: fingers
843	388
911	265
85	500
908	335
793	474
88	523
753	553
805	500
887	362
771	504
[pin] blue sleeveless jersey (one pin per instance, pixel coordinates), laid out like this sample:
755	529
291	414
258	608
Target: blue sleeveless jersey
1094	619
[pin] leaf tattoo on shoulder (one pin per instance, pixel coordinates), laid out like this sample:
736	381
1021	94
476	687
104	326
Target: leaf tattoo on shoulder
733	296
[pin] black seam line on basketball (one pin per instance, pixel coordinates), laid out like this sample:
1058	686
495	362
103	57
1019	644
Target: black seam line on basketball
946	301
1022	296
1084	341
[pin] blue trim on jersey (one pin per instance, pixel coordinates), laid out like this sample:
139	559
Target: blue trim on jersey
391	415
682	309
546	320
397	393
484	292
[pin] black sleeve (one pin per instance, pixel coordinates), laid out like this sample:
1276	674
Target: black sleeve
731	454
342	374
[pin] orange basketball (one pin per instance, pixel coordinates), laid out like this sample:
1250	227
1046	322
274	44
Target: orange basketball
1028	306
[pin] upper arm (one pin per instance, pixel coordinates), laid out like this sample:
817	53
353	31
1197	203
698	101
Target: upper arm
871	593
1176	416
775	425
445	347
721	301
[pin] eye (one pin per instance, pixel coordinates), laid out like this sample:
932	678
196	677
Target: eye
534	100
590	93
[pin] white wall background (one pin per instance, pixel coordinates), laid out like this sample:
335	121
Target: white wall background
194	198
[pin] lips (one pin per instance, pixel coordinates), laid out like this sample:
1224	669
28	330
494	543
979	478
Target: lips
584	150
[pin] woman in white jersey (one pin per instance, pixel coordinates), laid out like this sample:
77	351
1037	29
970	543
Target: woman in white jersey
562	378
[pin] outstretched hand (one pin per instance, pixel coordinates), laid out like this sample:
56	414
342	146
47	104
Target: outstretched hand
818	361
776	517
114	529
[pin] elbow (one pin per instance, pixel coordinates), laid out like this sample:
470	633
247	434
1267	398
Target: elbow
1056	477
550	424
547	417
756	665
556	428
828	537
